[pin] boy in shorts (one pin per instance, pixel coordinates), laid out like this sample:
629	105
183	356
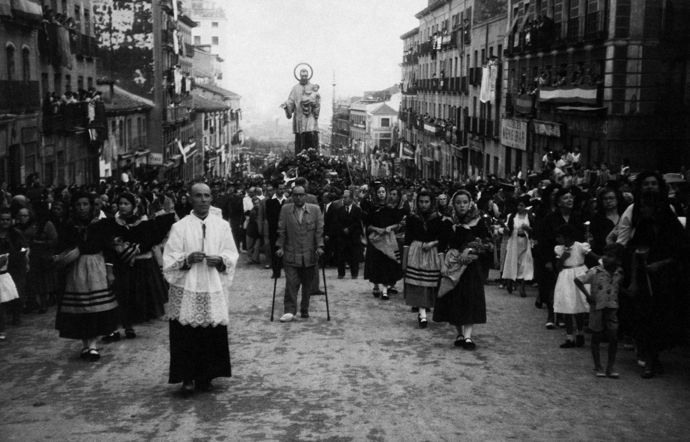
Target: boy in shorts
604	281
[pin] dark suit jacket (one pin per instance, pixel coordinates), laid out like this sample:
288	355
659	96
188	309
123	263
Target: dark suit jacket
272	215
329	217
352	221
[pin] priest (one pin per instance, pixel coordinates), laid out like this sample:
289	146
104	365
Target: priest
199	263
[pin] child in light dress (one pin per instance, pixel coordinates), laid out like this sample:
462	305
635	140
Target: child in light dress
8	291
567	299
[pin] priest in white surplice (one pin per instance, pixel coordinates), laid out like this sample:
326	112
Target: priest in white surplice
199	263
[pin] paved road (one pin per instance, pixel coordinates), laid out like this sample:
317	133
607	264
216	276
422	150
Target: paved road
368	374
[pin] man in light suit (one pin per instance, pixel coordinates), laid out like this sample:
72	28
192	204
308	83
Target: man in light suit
300	244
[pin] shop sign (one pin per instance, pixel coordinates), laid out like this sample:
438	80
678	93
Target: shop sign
514	133
547	128
155	159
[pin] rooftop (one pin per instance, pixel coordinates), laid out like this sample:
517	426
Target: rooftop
218	90
384	109
200	103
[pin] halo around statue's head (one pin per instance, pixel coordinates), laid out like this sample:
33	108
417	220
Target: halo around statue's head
301	66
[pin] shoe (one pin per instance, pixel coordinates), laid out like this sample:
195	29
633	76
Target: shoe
599	372
612	374
84	353
304	315
187	388
468	344
129	333
568	344
561	325
376	292
3	337
93	355
510	288
641	363
648	373
392	291
538	304
459	341
423	322
113	337
203	385
580	341
287	317
384	296
550	325
522	293
318	293
267	266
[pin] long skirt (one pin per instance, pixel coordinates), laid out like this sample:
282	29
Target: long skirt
422	275
141	291
379	268
518	263
8	291
198	353
88	307
466	303
567	298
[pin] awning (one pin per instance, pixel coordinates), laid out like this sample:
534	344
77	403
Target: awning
29	10
580	108
569	95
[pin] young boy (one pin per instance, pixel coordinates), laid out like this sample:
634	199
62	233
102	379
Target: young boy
604	281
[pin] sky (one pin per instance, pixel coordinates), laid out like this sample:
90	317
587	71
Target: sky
357	40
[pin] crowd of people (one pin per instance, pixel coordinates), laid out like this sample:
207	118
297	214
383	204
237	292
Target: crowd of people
609	255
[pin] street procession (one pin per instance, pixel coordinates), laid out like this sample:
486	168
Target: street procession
495	247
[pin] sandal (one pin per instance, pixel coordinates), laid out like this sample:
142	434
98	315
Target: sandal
469	344
84	353
92	354
459	341
113	337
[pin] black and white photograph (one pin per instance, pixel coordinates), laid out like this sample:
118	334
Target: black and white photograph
344	220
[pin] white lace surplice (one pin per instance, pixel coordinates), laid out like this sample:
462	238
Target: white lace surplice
199	296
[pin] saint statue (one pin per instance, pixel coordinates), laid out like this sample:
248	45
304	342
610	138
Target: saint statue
303	106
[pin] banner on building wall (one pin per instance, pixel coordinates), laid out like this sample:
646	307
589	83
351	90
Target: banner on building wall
155	159
487	91
547	128
514	133
569	94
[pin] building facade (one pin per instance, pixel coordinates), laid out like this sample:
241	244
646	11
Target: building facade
608	77
20	96
450	110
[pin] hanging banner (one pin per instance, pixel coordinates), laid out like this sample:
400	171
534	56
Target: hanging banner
514	133
547	128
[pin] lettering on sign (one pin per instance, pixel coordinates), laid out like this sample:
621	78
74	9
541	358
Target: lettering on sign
155	159
514	133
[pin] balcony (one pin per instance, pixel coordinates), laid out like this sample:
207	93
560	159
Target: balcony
176	114
573	34
74	117
482	126
474	125
83	45
463	85
594	28
17	97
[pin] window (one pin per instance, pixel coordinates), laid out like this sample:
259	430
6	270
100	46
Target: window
80	83
214	40
385	122
197	39
44	84
214	24
89	82
26	65
77	15
87	22
68	83
9	52
57	79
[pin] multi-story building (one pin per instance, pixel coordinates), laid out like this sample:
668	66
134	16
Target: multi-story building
212	23
606	76
146	47
20	96
371	127
449	110
229	134
126	148
207	67
340	134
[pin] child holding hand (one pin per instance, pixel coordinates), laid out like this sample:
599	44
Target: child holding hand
604	281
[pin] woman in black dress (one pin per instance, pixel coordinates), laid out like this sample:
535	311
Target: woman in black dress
139	284
87	308
382	264
469	240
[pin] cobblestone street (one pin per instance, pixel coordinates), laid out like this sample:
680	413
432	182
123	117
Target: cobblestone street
368	374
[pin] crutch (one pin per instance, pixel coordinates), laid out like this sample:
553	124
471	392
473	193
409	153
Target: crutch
275	283
325	290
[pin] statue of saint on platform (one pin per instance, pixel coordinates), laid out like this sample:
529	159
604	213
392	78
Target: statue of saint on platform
303	106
